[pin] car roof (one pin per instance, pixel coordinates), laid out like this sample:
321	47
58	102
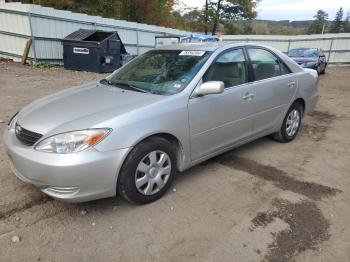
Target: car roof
207	46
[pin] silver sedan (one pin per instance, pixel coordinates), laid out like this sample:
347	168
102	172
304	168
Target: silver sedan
165	111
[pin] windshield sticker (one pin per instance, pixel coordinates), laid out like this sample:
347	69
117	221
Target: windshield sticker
192	53
178	86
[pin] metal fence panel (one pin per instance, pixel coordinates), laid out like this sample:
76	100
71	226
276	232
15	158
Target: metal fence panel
47	27
335	46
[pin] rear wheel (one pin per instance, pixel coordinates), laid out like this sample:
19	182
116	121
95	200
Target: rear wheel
291	124
148	171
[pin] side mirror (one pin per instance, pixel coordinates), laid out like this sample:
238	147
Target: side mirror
210	87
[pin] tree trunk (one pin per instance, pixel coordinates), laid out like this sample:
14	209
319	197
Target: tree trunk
206	17
216	19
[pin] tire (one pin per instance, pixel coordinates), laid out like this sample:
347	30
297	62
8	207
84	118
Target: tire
323	71
290	128
145	165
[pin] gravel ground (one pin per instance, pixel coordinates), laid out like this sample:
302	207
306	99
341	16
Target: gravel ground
265	201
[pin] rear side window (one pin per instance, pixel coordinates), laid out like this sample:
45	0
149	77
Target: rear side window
229	67
265	64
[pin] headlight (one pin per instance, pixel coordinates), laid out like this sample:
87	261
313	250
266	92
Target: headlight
73	142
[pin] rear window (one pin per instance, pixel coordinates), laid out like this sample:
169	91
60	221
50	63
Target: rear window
265	64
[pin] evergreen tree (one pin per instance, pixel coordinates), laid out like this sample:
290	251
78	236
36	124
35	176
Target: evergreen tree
338	24
347	24
319	24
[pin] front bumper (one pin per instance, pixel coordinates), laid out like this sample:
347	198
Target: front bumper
78	177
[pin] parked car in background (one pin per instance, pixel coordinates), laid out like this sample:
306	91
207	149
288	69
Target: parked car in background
309	58
193	38
199	38
163	112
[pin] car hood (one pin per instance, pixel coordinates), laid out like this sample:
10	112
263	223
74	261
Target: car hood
301	60
81	107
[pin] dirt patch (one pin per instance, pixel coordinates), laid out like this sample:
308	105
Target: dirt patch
208	217
317	125
307	228
279	177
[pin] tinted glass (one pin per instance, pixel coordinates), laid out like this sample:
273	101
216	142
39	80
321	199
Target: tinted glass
265	64
162	72
229	67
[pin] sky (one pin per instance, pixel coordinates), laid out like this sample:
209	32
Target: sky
289	9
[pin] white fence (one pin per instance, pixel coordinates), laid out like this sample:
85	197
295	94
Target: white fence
47	27
335	46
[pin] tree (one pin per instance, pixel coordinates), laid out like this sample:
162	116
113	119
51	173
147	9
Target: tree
157	12
338	24
319	24
347	24
206	16
223	11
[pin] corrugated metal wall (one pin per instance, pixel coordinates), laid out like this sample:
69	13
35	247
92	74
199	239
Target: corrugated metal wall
335	46
47	26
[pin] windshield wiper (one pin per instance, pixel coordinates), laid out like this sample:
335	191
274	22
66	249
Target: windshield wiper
128	86
104	81
122	85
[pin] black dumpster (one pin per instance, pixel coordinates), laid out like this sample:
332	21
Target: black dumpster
93	50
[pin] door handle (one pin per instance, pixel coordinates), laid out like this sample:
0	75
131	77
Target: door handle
291	84
248	96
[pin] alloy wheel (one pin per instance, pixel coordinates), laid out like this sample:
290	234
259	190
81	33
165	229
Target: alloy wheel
293	122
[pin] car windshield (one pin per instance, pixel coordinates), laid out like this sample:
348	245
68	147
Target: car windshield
163	72
303	52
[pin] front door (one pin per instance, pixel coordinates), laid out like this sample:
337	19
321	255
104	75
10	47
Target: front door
218	121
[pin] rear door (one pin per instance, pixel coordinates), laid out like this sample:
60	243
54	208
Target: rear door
275	86
219	120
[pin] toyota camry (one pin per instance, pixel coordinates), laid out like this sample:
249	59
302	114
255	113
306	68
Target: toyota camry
165	111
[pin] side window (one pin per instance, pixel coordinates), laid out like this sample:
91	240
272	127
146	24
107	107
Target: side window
265	64
284	69
229	67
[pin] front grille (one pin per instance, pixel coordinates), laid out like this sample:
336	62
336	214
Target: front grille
25	136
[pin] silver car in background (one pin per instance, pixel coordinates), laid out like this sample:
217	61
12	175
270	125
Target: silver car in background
163	112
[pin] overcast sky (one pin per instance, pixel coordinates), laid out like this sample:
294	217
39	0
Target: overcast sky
290	9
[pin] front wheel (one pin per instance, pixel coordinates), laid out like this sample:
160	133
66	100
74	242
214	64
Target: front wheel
291	124
148	171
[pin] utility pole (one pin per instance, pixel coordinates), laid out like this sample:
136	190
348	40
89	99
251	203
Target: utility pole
324	25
